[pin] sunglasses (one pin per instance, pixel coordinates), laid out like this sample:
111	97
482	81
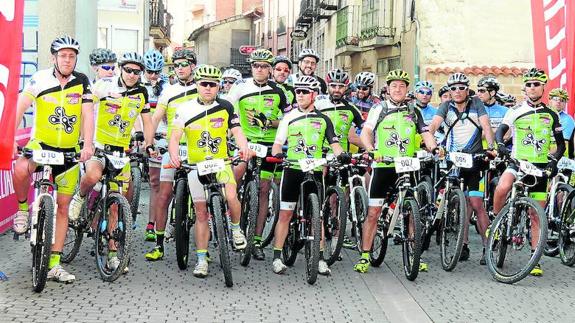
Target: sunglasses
460	88
533	84
481	90
336	85
425	92
558	99
134	71
208	84
182	64
285	70
229	82
108	67
260	66
363	88
153	72
302	91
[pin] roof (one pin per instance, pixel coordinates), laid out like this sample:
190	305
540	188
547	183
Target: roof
479	70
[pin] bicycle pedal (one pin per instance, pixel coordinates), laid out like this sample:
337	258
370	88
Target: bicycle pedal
397	240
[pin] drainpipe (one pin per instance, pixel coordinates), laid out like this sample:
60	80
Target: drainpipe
416	51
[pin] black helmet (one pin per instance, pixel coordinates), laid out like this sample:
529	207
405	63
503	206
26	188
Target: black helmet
102	56
184	53
489	82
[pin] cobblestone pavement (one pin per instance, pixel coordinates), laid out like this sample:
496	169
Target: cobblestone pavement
159	291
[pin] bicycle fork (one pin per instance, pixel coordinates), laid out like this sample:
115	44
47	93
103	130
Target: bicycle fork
40	190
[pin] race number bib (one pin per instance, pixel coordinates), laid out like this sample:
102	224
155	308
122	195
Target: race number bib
183	152
530	169
309	164
260	150
461	160
118	162
48	157
211	166
406	164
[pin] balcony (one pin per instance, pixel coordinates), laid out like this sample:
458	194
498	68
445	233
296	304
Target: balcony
347	33
377	36
160	23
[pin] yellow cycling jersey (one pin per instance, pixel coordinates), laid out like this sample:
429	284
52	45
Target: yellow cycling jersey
58	109
206	128
117	108
172	97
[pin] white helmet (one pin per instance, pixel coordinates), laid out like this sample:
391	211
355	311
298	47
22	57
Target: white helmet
308	52
307	82
364	79
232	73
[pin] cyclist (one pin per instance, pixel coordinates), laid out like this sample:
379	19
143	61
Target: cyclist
118	100
533	124
63	103
175	95
363	98
103	62
259	103
304	129
280	73
465	120
558	101
423	93
444	94
229	77
389	130
487	89
205	121
384	92
308	59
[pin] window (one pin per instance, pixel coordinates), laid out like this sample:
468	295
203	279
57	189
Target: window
341	29
103	37
384	65
125	40
281	25
369	14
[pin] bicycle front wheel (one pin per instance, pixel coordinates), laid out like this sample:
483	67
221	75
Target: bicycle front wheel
423	190
360	205
566	240
513	246
411	236
451	230
217	211
137	184
313	237
182	223
334	223
273	213
42	248
250	210
554	223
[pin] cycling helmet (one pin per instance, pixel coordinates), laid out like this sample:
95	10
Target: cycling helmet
503	98
535	74
101	56
261	55
186	54
489	82
457	78
364	79
383	91
207	72
561	93
337	76
411	95
308	52
64	42
397	75
132	57
422	84
307	82
282	59
153	60
232	73
444	89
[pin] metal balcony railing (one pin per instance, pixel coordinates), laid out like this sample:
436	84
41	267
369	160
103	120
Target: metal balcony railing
159	17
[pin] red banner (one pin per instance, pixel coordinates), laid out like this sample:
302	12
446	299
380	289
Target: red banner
553	26
11	17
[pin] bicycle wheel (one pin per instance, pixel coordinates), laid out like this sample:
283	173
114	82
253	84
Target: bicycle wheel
411	236
554	223
217	211
113	237
566	242
360	205
379	246
42	248
334	223
291	244
313	237
137	184
423	191
250	209
273	212
182	223
516	238
451	229
74	238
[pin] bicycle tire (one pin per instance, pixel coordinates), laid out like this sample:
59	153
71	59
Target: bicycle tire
217	211
312	246
250	210
122	236
182	223
411	246
42	249
74	238
566	242
499	226
552	247
136	182
273	214
361	202
377	254
453	220
334	227
424	200
291	244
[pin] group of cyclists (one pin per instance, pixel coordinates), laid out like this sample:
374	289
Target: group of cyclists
294	113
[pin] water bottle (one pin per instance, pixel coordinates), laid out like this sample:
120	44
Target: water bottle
94	194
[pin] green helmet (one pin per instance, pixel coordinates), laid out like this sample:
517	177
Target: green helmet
561	93
261	55
535	74
397	75
208	72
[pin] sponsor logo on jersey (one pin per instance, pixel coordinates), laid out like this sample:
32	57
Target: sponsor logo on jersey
207	141
217	122
268	101
315	124
395	140
50	99
73	98
112	107
61	118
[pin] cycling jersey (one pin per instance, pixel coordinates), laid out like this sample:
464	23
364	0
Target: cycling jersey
117	108
172	97
364	105
206	128
463	131
395	128
496	112
154	91
289	92
342	115
427	112
58	109
305	133
532	130
322	84
567	123
249	97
